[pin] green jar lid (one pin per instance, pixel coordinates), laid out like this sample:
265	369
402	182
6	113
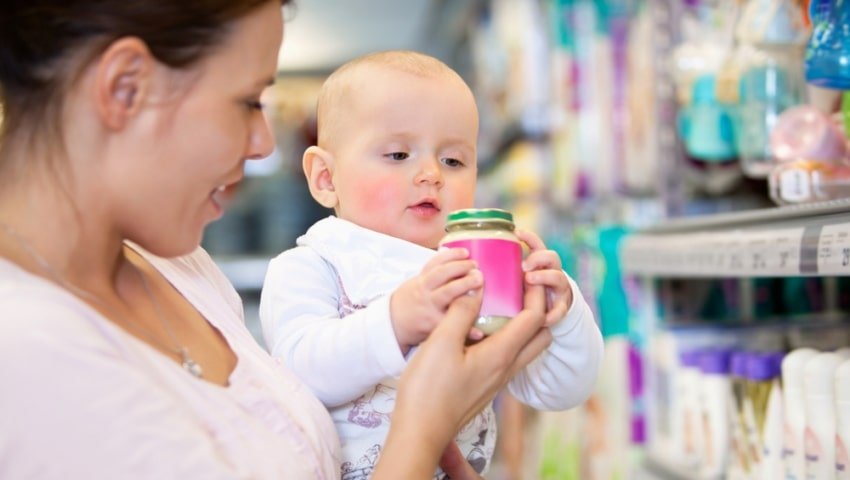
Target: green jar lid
480	214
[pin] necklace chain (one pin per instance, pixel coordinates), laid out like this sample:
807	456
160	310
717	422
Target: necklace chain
187	362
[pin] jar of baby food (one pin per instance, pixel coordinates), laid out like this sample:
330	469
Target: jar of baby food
488	235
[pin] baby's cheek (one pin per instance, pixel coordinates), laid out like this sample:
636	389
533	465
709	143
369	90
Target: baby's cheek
378	194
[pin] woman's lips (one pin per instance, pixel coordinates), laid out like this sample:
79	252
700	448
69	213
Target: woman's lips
223	196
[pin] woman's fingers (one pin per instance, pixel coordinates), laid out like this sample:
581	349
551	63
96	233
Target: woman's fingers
455	465
460	317
534	298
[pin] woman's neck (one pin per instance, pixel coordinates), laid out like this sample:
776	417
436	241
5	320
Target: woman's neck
58	233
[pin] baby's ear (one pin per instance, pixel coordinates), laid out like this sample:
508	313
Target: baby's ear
318	168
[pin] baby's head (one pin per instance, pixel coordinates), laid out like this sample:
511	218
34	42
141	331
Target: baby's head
397	145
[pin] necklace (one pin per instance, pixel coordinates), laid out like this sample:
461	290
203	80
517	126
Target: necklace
187	362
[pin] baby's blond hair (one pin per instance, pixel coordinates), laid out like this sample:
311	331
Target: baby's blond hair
339	85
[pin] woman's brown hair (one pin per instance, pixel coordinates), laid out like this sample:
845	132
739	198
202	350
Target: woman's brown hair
41	42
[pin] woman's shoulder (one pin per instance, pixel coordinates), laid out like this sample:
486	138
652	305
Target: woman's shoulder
24	295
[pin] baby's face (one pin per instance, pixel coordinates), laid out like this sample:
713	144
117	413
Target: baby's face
405	155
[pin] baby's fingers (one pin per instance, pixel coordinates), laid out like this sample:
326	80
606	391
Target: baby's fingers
554	279
445	255
558	311
531	239
445	294
541	259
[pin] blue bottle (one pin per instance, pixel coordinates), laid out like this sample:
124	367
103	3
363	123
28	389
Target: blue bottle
828	50
764	93
706	125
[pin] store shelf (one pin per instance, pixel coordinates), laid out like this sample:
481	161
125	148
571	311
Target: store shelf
654	468
804	240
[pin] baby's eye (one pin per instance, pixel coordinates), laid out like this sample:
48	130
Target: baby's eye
452	162
398	155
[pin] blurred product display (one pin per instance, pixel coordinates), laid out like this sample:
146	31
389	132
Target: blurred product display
689	162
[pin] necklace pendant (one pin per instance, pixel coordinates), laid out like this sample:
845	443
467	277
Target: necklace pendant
190	365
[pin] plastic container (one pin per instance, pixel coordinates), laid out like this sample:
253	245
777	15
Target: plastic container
842	421
828	49
715	388
795	412
761	370
772	465
776	22
739	464
688	386
819	439
488	235
805	132
807	181
705	125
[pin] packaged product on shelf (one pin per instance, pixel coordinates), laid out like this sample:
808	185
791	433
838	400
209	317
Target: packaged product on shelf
761	371
807	181
705	124
794	413
739	461
842	421
805	132
828	49
819	437
688	386
772	429
714	395
771	36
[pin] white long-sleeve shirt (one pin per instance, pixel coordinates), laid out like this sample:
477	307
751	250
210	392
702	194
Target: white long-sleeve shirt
325	313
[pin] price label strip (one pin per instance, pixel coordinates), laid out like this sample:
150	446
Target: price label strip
834	250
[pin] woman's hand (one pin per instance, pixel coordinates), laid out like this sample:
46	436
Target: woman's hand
447	383
455	465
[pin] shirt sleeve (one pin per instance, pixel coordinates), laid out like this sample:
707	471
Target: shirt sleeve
339	358
564	375
74	407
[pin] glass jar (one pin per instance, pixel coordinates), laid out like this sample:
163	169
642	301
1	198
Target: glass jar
488	235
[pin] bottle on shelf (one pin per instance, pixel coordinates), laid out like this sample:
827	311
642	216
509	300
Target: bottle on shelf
794	412
819	443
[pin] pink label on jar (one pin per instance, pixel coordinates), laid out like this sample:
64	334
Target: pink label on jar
500	262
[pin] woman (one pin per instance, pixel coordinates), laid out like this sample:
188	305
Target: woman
122	348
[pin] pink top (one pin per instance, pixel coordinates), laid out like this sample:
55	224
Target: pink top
81	398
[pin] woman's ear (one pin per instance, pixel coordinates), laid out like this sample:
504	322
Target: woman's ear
122	79
318	168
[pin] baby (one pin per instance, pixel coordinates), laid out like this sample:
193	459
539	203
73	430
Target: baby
396	154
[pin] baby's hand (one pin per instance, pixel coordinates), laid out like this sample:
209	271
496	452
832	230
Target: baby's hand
543	267
418	305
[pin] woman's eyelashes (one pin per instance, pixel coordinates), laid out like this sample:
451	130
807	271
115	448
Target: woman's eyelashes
255	104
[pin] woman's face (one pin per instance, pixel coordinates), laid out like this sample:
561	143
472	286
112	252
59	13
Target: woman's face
184	167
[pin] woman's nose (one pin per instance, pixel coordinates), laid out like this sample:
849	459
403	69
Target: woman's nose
261	140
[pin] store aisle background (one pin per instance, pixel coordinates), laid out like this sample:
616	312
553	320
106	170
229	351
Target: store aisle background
605	126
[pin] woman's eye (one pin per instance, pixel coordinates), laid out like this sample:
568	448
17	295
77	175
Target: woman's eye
398	155
452	162
255	104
